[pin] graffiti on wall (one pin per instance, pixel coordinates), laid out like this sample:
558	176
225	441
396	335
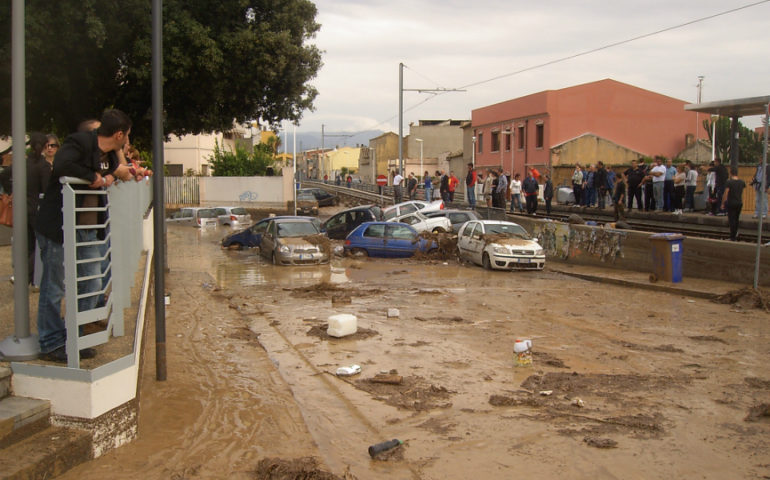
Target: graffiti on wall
566	241
248	196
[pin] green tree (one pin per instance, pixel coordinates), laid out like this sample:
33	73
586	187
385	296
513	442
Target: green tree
749	143
241	162
224	61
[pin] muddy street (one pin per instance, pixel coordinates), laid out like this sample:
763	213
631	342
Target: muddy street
624	383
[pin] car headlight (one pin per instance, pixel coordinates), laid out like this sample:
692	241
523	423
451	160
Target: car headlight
539	252
500	250
284	249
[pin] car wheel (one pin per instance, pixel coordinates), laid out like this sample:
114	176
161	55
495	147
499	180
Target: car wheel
235	246
438	230
486	262
359	252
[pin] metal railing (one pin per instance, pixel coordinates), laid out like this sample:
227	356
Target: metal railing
182	190
100	260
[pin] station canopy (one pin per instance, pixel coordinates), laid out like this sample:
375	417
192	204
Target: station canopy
742	107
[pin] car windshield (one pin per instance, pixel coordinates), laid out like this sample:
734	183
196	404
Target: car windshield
507	229
239	211
296	229
305	197
206	213
391	213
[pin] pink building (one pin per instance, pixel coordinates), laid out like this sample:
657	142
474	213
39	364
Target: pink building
604	120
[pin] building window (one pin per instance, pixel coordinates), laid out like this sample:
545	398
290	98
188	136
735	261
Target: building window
495	142
508	141
539	136
480	143
521	137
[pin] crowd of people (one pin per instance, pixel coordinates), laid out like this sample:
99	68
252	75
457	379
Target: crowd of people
100	153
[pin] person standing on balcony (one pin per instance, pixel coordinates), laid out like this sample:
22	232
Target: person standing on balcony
91	156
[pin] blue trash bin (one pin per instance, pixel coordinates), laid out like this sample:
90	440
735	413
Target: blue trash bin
667	256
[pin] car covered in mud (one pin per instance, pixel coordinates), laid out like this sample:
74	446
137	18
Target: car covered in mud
325	199
306	203
344	222
386	239
421	223
294	241
456	217
194	216
410	206
233	216
499	245
252	237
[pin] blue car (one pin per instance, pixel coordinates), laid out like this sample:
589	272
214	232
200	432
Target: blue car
252	237
386	239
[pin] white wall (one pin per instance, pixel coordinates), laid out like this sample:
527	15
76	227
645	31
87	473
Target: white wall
268	192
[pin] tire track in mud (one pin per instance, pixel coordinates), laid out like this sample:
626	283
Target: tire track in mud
312	389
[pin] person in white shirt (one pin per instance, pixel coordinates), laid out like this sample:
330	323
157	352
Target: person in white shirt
397	189
691	181
658	174
516	194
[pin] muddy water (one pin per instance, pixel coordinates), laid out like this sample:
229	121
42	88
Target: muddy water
638	370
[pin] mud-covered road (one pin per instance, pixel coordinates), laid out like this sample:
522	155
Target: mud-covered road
634	384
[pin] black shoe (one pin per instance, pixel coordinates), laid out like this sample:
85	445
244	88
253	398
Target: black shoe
60	355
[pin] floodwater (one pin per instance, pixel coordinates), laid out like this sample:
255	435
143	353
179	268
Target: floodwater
634	384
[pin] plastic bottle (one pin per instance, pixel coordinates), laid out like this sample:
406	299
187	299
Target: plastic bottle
522	350
381	447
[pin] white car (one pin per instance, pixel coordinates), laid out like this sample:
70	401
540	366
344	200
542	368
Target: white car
499	245
195	216
403	208
421	223
233	216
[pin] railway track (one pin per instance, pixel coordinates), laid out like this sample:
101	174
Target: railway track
690	225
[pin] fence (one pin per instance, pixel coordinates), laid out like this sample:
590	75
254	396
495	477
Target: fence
182	191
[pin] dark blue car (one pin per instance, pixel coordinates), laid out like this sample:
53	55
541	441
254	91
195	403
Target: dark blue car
252	237
386	239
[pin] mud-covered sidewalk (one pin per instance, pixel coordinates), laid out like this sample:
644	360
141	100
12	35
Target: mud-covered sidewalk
625	383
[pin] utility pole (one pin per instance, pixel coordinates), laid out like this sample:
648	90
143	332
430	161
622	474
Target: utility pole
401	91
697	121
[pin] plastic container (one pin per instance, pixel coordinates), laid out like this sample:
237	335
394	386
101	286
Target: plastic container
342	324
522	351
667	256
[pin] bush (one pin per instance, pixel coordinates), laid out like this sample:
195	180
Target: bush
242	162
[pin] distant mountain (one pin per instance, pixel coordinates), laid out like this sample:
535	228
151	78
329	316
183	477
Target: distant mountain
311	140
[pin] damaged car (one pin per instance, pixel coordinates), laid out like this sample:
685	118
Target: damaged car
386	239
499	245
294	241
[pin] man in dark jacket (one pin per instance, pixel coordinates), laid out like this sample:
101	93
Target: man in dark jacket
600	182
91	156
635	175
548	194
720	181
530	188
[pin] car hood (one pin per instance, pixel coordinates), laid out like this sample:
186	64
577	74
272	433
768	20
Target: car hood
509	241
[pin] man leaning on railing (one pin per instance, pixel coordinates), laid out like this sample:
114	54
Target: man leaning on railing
92	156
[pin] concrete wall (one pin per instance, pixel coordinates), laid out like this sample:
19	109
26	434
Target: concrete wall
259	192
631	250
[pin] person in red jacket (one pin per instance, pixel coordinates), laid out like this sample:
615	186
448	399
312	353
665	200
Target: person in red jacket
470	186
453	183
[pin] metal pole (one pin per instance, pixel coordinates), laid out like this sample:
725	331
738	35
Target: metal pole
21	346
159	210
323	166
762	191
734	134
294	169
714	137
400	118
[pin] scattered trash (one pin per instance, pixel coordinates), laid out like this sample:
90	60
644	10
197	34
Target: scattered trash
384	446
546	393
348	371
339	251
523	351
167	298
600	442
342	324
578	402
393	312
690	301
340	299
389	378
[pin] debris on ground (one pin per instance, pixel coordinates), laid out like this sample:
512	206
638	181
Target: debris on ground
389	378
600	442
413	393
758	413
746	297
305	468
446	246
706	338
543	358
575	219
320	331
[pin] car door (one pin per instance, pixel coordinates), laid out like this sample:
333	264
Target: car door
267	244
457	219
255	233
469	242
336	227
373	240
188	217
476	243
400	240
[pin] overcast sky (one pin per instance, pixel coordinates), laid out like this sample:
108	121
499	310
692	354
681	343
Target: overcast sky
453	43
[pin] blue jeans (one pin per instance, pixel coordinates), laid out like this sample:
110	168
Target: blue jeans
689	197
428	191
657	193
472	196
50	326
516	202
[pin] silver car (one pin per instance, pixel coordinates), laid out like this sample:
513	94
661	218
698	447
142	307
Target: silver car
233	216
294	241
195	216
